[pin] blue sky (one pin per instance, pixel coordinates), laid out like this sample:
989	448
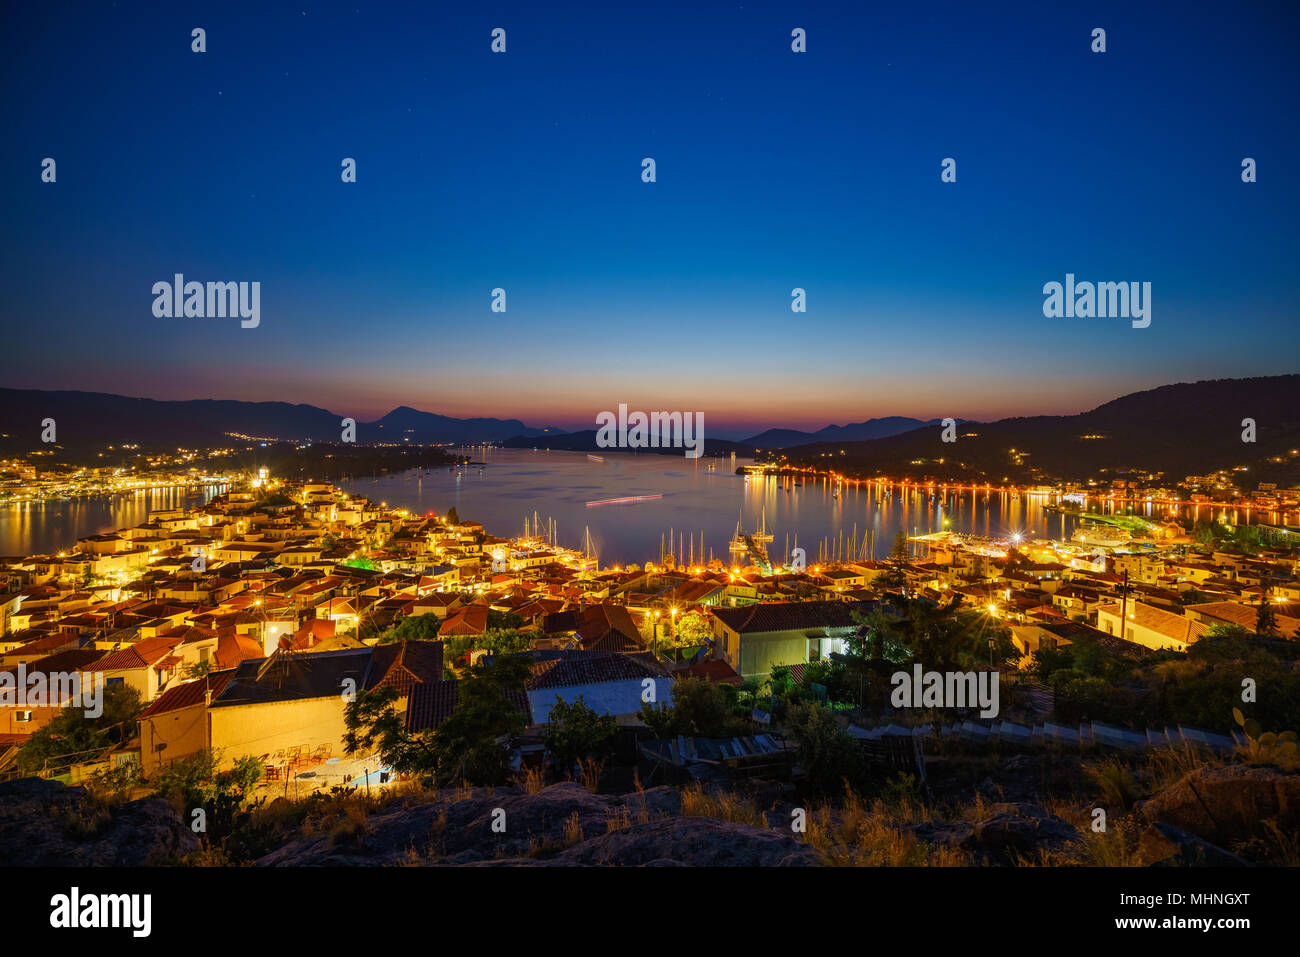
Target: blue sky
775	170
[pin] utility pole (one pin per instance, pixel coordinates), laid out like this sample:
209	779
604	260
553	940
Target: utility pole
1123	605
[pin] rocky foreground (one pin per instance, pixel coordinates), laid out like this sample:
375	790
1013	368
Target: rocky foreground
43	823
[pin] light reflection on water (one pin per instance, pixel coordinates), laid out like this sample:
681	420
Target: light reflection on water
697	500
514	484
37	528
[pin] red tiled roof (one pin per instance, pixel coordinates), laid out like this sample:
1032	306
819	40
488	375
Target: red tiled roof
142	654
406	664
583	668
470	620
606	627
432	702
789	616
189	694
234	648
716	672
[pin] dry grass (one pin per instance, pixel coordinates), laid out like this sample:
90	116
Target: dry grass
617	819
876	835
591	769
722	805
1114	847
573	830
1166	766
1115	780
532	780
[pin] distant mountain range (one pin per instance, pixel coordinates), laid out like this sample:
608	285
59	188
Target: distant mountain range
853	432
86	419
585	441
1183	429
1190	428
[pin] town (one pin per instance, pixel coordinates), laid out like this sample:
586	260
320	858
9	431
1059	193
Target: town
305	641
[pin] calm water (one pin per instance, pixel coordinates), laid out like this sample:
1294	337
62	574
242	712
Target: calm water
516	483
48	527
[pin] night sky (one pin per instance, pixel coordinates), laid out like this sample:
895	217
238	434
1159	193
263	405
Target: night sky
523	171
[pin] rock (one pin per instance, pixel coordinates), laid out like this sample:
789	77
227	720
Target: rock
563	824
1163	845
1017	830
47	824
946	833
1227	804
693	841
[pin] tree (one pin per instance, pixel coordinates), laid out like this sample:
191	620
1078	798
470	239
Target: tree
72	736
195	782
950	638
894	577
374	727
830	757
198	669
699	708
452	517
693	628
576	732
1266	619
503	620
413	628
473	745
496	641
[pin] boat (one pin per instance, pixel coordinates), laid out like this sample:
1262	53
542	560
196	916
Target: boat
627	499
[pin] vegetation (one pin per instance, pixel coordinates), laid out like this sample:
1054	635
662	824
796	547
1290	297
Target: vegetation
472	746
412	628
699	708
830	758
72	737
195	784
576	733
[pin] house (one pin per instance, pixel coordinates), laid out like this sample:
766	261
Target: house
175	724
755	639
431	703
601	627
1236	613
469	621
148	665
19	714
38	648
293	701
1149	626
1033	636
607	682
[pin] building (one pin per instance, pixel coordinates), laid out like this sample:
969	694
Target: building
295	702
755	639
175	725
608	683
1149	626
